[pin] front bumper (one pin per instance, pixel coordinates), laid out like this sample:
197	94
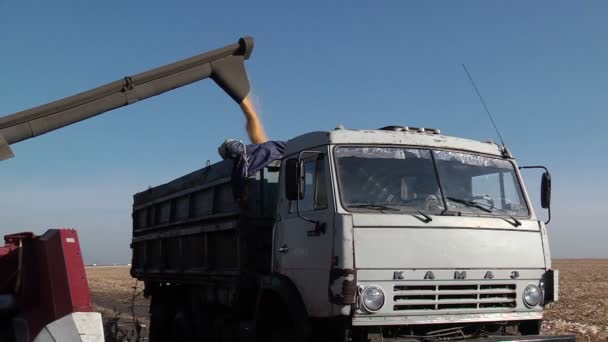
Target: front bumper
538	338
374	320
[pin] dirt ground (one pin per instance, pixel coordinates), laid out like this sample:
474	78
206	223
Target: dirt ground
582	308
583	305
112	291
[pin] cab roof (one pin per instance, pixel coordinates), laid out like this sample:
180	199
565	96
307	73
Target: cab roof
411	137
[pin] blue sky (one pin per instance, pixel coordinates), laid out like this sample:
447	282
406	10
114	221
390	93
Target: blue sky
540	65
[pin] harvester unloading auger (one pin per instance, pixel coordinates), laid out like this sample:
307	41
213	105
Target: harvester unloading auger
45	294
225	66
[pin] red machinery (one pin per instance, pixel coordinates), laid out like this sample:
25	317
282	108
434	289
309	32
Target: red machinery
45	279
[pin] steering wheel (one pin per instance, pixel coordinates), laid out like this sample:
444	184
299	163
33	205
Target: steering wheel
485	197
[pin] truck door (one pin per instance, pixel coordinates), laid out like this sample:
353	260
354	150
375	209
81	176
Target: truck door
303	245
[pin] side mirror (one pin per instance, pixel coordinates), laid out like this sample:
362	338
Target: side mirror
292	177
545	191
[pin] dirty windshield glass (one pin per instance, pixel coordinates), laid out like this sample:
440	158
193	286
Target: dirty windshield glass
387	178
480	185
392	179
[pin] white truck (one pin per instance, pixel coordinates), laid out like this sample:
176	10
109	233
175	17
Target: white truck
394	234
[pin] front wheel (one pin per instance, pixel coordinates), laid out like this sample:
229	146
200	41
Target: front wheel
276	324
282	328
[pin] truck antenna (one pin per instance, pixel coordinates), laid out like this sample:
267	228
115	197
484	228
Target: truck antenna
484	105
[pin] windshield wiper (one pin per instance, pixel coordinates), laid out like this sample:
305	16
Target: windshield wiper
427	217
372	206
485	208
515	222
469	204
381	208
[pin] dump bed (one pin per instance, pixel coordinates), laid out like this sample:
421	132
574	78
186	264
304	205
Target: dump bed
192	229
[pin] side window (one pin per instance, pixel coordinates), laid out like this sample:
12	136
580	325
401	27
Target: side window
320	193
315	189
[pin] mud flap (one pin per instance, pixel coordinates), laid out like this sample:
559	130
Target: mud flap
551	286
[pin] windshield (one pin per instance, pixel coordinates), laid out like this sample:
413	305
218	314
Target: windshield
394	177
473	182
388	179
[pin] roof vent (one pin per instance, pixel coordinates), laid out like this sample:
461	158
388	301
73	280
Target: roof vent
410	129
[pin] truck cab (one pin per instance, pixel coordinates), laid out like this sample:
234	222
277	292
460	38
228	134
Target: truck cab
406	232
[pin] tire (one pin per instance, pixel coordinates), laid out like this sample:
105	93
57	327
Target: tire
201	321
274	323
283	329
159	318
224	327
170	316
181	325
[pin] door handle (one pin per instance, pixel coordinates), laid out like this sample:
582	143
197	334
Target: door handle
283	249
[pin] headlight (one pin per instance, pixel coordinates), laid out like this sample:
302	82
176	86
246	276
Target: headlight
373	298
532	295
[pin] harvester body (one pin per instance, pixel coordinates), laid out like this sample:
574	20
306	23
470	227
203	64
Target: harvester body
45	281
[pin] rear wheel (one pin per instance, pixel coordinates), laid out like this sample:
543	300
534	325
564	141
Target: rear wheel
181	324
159	317
171	315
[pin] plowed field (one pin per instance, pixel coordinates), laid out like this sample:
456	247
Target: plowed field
582	308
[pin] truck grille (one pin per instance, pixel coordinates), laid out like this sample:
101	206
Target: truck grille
454	297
